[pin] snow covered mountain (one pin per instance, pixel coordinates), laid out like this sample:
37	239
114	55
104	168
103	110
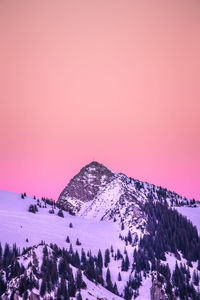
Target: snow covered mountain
95	191
101	194
109	237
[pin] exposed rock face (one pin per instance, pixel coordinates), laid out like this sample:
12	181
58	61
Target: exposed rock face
158	289
100	193
96	192
84	186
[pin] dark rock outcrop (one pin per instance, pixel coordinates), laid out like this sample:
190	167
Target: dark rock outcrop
85	185
158	289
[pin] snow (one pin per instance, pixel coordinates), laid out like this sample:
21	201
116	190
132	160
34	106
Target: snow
192	213
103	202
145	289
97	292
17	224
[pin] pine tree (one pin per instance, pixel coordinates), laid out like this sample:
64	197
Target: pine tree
195	278
67	239
119	255
78	243
63	288
79	297
99	260
115	289
79	279
111	250
119	277
107	258
76	260
54	272
109	284
99	275
43	287
71	285
2	285
129	238
60	213
71	249
83	259
123	265
127	263
62	266
89	268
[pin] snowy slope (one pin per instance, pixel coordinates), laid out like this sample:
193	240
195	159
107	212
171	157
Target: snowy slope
34	258
192	213
17	224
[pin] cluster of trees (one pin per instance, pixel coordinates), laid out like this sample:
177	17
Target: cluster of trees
9	265
169	232
23	195
57	275
181	279
132	286
91	266
49	201
55	272
33	208
51	211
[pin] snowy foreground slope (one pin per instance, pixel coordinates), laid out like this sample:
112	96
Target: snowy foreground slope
125	241
17	225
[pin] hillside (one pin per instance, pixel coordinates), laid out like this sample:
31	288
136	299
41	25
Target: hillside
126	241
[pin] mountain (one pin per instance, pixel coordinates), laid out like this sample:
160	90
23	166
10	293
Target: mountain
101	194
96	185
108	237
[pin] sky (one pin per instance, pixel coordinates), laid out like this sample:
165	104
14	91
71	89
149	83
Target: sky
113	81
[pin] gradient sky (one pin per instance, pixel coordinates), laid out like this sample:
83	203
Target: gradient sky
108	80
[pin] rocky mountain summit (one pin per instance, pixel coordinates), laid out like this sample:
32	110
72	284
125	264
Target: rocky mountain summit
84	186
99	193
95	181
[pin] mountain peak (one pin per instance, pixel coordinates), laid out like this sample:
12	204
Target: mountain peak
108	191
94	167
84	186
94	164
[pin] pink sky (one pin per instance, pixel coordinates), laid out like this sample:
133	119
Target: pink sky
108	80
